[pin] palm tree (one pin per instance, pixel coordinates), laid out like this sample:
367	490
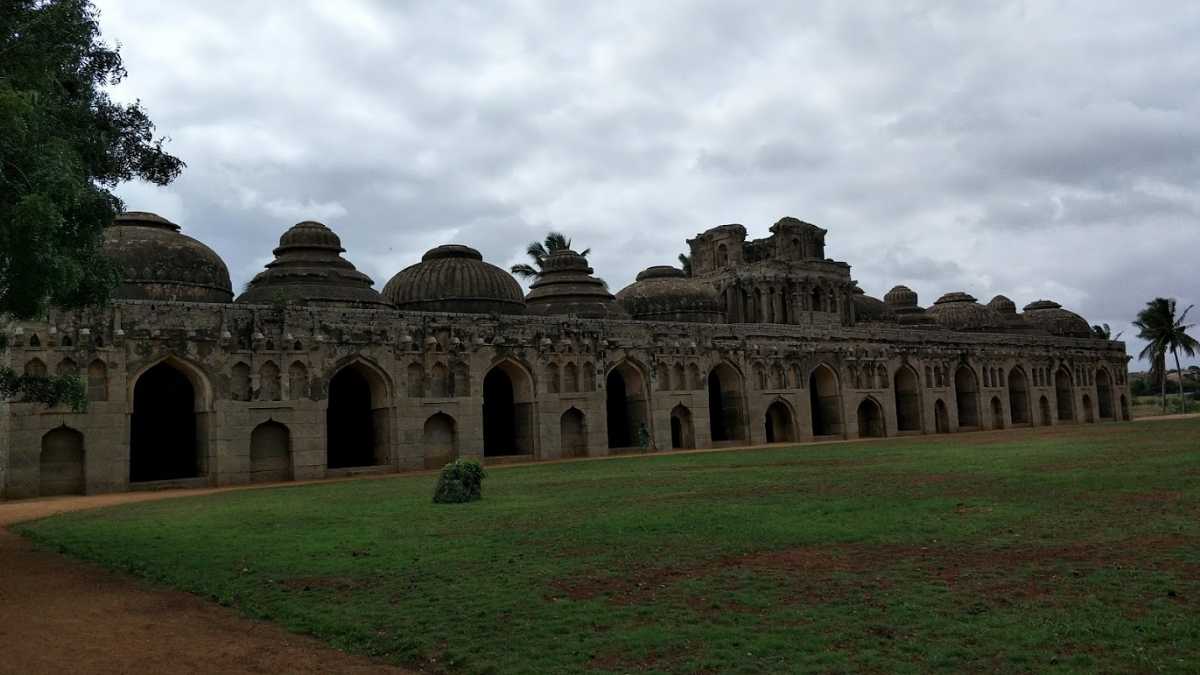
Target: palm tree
1103	332
685	263
538	250
1158	325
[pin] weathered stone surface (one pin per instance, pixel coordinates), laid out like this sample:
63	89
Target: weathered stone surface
158	262
566	287
665	293
454	278
309	269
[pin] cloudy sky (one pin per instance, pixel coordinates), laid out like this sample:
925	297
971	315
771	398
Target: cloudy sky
1040	149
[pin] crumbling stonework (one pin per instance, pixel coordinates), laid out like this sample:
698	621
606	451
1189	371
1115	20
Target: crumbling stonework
311	374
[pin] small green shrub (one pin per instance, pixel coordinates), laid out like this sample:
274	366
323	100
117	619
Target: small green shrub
460	481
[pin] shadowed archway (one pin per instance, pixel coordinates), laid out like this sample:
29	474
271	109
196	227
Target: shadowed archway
439	440
356	425
573	428
61	464
826	401
870	419
683	432
507	411
163	439
908	400
1018	396
725	419
625	396
966	397
780	427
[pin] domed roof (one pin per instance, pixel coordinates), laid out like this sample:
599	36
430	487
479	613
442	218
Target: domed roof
1002	305
566	286
869	309
454	278
901	297
157	262
309	269
1050	316
665	293
960	311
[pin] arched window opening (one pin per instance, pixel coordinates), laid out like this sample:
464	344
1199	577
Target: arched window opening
678	378
239	382
298	381
268	382
67	368
416	380
570	378
439	381
35	368
97	381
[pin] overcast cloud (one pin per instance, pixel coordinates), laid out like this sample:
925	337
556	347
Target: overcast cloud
1040	150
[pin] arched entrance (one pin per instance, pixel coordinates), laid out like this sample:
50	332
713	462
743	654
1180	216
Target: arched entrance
778	420
1089	415
626	407
270	453
683	432
908	400
941	417
61	463
826	400
439	440
1018	396
163	439
356	419
573	427
725	419
997	413
870	419
1062	392
966	396
1044	410
1104	394
507	411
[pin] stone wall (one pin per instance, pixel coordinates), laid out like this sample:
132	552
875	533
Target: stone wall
249	366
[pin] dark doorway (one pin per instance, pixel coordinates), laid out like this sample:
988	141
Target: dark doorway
270	455
724	405
870	419
1044	408
163	443
966	395
826	402
997	413
941	419
62	469
778	421
349	421
908	400
1018	396
625	397
619	433
573	428
499	414
683	434
1064	394
1104	397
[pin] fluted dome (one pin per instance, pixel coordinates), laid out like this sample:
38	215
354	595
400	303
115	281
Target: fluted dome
869	309
454	278
960	311
1050	316
309	269
1002	305
665	293
157	262
566	287
901	297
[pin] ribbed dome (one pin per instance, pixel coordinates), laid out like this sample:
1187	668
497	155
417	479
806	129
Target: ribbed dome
454	278
1002	305
869	309
960	311
309	269
157	262
901	297
1049	316
665	293
566	287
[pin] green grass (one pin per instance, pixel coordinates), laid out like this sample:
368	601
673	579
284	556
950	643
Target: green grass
1071	550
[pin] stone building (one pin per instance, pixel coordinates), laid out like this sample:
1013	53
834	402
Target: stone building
311	372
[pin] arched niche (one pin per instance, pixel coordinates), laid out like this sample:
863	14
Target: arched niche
779	423
870	419
573	433
61	463
683	430
908	399
439	440
966	397
270	453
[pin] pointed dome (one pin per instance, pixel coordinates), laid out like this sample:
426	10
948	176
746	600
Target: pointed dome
309	269
454	278
665	293
157	262
1050	316
566	286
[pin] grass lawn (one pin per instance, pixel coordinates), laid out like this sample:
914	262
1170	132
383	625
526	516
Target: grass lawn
1032	550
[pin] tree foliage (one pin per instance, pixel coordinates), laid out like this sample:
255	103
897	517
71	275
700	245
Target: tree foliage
460	481
538	250
1104	332
64	144
685	263
1165	333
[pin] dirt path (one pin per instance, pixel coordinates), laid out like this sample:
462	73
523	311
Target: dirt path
58	615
